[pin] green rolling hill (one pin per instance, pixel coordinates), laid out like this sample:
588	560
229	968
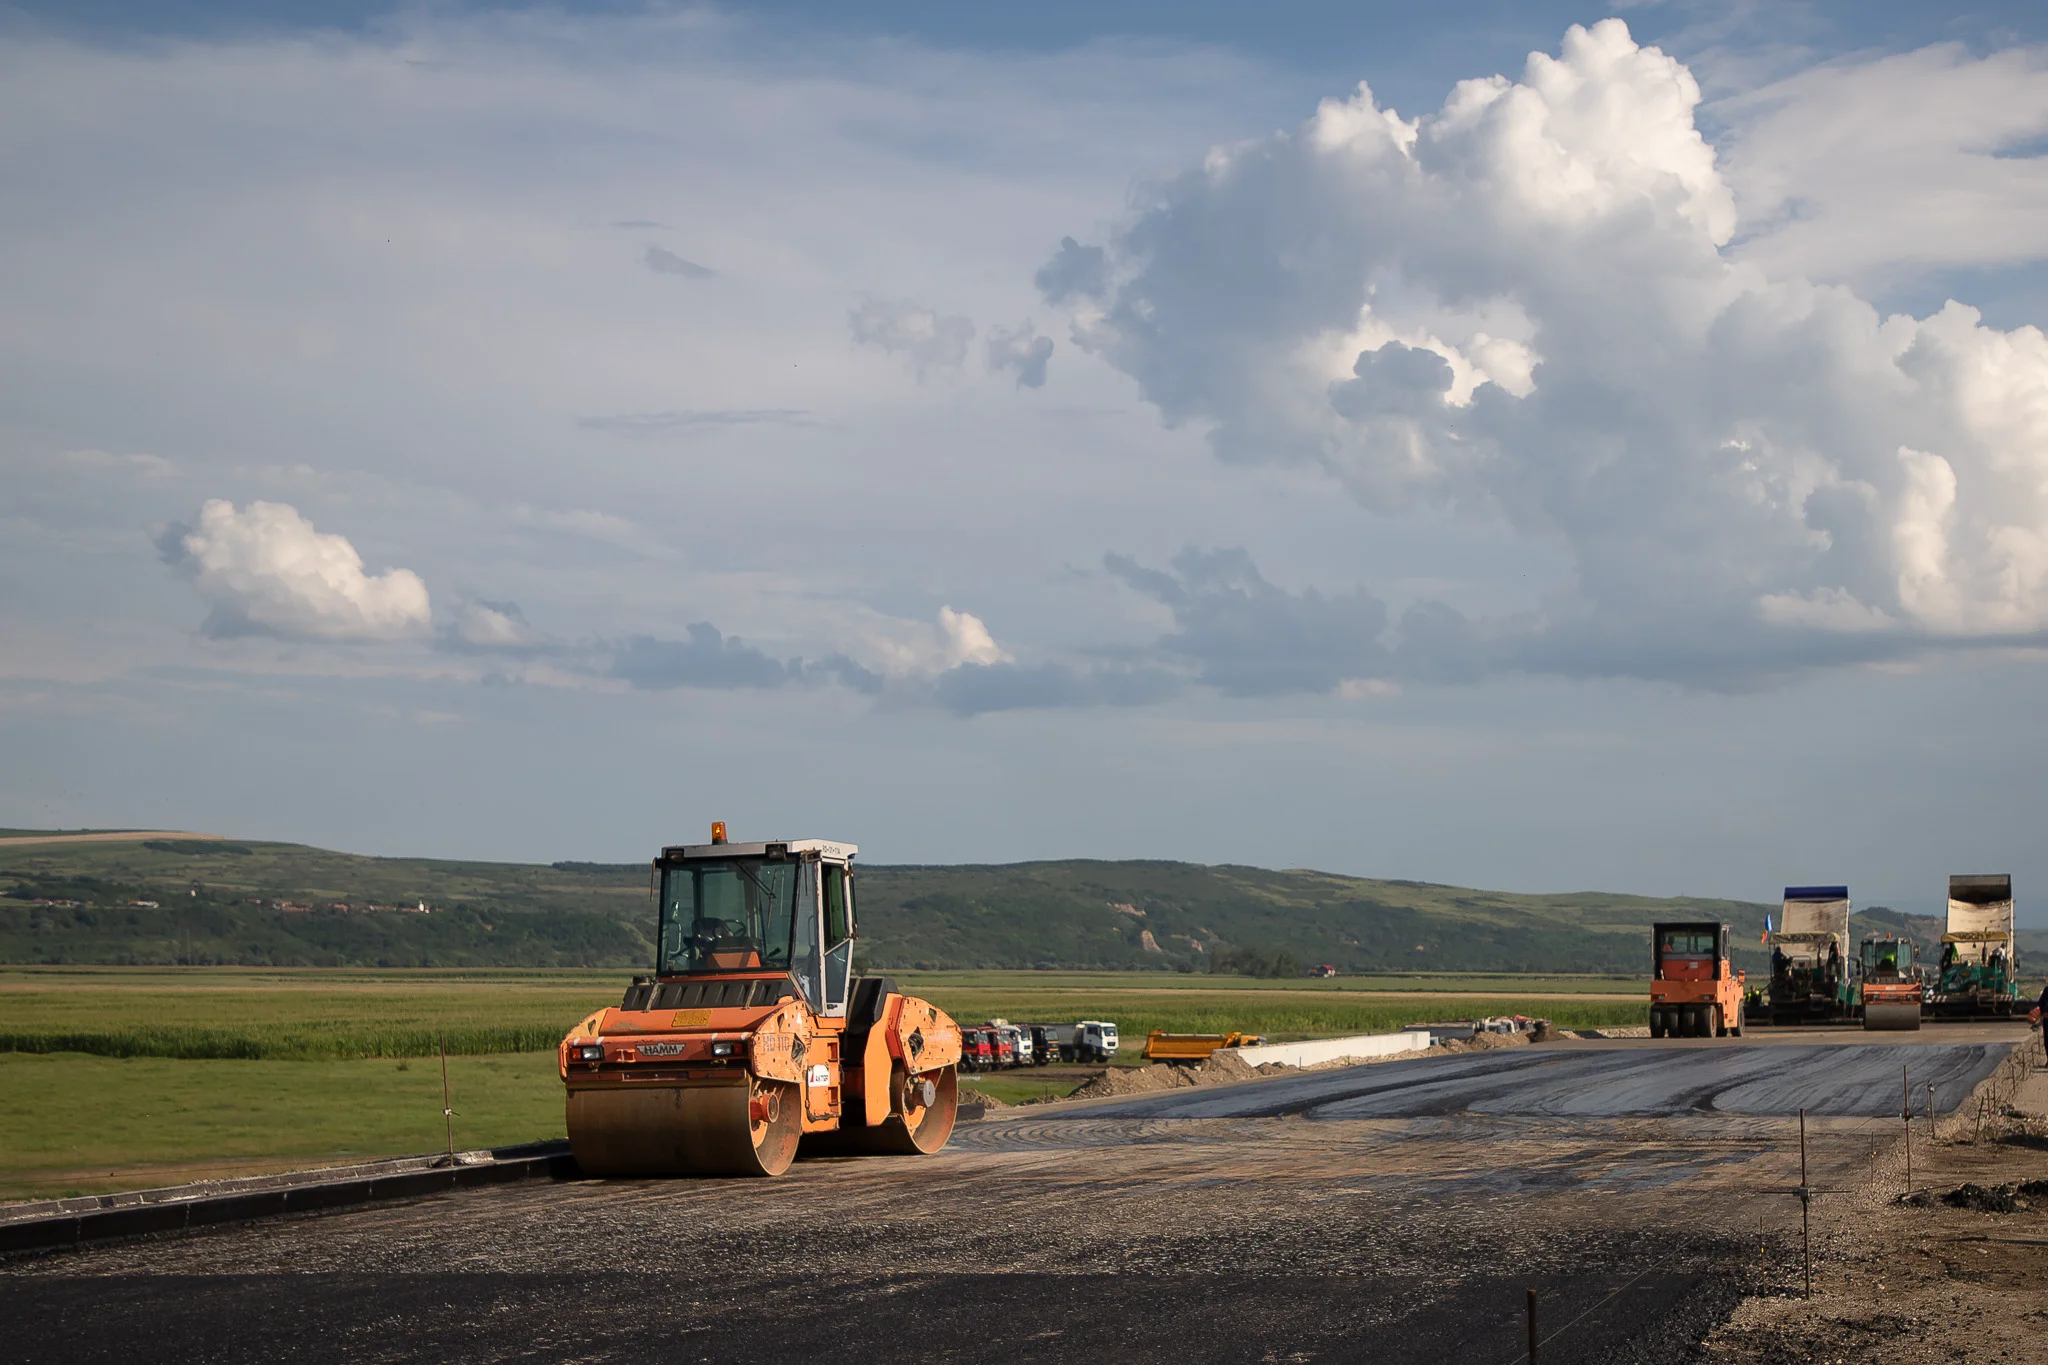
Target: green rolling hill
252	903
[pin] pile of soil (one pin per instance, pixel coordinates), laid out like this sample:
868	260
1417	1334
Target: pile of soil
1483	1042
1217	1069
1994	1199
969	1095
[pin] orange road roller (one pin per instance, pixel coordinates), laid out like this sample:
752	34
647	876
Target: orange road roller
753	1036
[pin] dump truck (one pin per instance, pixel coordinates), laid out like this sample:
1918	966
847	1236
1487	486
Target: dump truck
1810	970
1889	990
1694	991
977	1053
1020	1040
1193	1047
1090	1040
752	1035
1978	975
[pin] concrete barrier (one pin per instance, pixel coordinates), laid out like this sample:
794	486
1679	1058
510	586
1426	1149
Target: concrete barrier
1316	1051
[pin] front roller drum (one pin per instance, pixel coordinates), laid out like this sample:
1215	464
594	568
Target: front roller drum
1890	1015
925	1107
750	1128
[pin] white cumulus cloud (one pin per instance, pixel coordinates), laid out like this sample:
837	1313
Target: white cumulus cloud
1526	307
931	340
266	570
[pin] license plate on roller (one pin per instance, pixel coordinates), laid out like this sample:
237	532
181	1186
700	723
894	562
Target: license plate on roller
690	1019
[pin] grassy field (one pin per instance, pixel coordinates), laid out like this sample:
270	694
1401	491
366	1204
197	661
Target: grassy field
76	1124
119	1078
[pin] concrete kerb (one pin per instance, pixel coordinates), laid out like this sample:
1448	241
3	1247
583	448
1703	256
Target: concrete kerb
56	1224
1317	1051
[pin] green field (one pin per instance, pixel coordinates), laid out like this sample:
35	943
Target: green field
76	1124
121	1078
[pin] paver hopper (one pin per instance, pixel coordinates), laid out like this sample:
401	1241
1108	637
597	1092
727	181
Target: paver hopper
1978	976
1809	957
753	1035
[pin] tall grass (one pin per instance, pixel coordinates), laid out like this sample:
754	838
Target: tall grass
286	1044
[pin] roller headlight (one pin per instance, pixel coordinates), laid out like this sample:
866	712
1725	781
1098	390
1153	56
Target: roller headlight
587	1052
728	1049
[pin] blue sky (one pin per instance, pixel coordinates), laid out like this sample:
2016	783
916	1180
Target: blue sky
1048	431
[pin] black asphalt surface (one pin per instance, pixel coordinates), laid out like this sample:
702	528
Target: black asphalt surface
1846	1080
1404	1224
840	1315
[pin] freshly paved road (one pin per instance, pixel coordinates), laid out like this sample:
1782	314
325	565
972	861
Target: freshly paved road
1844	1080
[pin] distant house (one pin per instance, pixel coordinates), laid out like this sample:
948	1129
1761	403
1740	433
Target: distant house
142	905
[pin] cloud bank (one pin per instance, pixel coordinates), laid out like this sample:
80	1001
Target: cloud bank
1523	308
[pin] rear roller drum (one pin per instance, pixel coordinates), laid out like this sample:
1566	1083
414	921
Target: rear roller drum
749	1129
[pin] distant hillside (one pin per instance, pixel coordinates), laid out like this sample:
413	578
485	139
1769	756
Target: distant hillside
223	902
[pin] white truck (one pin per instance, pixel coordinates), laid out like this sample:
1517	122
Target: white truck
1090	1040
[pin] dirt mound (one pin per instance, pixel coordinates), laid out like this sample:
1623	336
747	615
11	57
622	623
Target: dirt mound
1136	1080
1995	1199
1220	1068
969	1095
1484	1042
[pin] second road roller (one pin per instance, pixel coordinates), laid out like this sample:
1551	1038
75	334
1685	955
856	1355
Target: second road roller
753	1036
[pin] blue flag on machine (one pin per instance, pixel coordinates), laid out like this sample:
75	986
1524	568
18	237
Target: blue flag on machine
1765	936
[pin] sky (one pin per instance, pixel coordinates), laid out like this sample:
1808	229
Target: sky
1544	447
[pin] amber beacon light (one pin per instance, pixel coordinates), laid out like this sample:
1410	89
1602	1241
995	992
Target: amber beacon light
718	831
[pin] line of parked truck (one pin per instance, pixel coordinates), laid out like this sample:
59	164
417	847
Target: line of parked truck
1815	980
1000	1044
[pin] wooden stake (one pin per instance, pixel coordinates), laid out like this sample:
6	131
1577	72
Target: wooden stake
1906	1113
447	1105
1805	1205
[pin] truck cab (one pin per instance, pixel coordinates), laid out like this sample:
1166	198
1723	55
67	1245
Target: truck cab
1694	991
1095	1040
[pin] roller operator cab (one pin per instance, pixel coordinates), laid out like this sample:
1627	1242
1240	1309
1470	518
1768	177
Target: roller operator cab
752	1034
1694	992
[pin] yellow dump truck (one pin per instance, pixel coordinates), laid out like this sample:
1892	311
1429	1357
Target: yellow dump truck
1193	1047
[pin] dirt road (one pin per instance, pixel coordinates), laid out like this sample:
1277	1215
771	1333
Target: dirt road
1396	1213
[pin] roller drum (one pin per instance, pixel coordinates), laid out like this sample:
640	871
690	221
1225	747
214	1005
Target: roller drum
743	1129
1891	1015
916	1129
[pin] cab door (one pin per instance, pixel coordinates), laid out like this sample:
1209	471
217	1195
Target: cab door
838	907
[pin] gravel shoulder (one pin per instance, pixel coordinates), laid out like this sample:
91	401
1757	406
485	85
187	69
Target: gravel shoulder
1930	1277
